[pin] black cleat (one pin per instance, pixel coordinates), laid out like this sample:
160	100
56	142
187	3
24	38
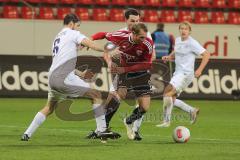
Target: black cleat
103	136
108	134
113	135
137	137
25	137
92	135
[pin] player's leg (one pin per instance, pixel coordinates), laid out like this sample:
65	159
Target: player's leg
144	104
112	105
98	108
113	101
139	85
193	112
183	81
168	100
39	118
109	108
137	124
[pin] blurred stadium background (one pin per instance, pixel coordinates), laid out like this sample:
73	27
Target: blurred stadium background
27	29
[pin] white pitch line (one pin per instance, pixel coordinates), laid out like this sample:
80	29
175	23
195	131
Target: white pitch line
145	135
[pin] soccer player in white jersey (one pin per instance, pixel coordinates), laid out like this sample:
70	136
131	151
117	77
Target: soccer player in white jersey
185	51
132	16
64	80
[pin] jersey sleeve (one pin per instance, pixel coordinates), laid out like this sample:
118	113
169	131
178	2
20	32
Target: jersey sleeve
117	36
99	35
78	37
197	47
149	50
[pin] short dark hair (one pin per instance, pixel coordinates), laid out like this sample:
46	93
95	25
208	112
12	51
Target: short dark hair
160	26
137	28
70	18
131	11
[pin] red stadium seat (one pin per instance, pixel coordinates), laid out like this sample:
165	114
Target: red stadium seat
85	1
219	3
100	14
201	17
62	12
152	2
185	3
82	13
119	2
218	17
46	13
10	12
184	16
169	3
167	16
150	16
234	18
137	2
116	15
50	1
33	1
234	3
102	2
67	1
28	13
202	3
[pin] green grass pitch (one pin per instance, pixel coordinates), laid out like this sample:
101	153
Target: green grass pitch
215	136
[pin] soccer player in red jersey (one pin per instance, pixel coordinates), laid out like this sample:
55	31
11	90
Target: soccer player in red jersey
133	71
132	16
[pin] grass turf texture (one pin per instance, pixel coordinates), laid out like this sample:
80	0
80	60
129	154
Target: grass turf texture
214	136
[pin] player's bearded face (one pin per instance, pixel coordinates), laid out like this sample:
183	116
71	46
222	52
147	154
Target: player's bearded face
132	20
184	31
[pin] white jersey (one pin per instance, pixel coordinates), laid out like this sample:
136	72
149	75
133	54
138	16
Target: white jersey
65	46
185	54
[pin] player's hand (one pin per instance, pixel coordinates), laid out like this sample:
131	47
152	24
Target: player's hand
165	59
115	53
117	70
87	74
198	73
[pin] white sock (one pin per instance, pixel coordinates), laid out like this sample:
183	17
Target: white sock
183	106
167	108
37	121
137	124
99	117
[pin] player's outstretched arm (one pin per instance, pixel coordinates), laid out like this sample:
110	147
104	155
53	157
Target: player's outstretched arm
93	45
205	59
170	57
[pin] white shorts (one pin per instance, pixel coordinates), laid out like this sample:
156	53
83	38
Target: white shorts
77	88
180	81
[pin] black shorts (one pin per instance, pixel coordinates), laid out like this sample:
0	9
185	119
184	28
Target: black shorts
136	82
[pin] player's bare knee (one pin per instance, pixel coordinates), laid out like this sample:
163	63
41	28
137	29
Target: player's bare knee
115	94
47	110
169	91
122	92
94	94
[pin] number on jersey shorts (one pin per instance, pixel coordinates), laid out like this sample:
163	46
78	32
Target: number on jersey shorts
181	80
